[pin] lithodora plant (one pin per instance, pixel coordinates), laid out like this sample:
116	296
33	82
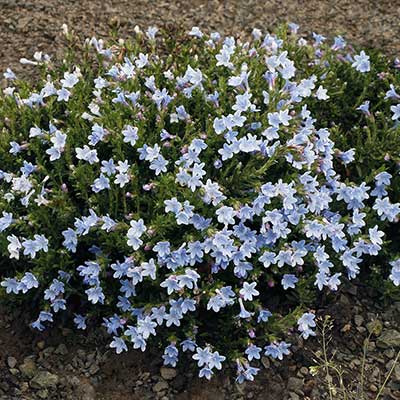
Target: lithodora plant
196	192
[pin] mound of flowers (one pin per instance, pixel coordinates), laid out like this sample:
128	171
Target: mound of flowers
189	192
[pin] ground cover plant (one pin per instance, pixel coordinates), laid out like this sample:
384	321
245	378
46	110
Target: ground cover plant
197	192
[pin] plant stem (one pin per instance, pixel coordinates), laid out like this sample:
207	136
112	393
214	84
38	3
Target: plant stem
388	376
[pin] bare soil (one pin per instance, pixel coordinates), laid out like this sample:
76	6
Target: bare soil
28	26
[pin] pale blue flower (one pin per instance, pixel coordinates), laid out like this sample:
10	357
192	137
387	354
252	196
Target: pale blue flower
202	356
146	327
249	290
151	32
364	107
361	62
396	112
195	31
5	221
395	272
11	285
95	295
87	154
70	80
80	321
305	324
289	281
119	345
253	352
130	135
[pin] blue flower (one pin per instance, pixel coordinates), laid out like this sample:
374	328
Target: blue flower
9	74
87	154
5	221
80	321
277	350
253	352
70	80
135	232
146	327
263	316
202	356
395	272
364	107
171	355
249	290
391	93
188	345
305	324
28	282
361	62
244	314
118	344
195	31
11	285
95	295
151	32
225	215
205	372
159	165
216	360
396	112
171	284
130	135
289	281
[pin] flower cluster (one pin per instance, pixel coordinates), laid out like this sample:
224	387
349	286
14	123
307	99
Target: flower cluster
169	195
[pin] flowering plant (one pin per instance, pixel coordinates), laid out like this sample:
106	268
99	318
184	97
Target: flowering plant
175	186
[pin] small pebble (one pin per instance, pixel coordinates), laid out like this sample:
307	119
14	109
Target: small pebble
40	345
11	362
373	388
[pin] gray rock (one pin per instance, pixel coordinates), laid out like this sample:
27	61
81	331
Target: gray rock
145	376
28	367
86	391
43	394
389	353
168	373
388	338
396	373
46	353
160	387
373	388
265	362
295	384
44	379
61	349
94	368
11	362
358	319
4	386
304	371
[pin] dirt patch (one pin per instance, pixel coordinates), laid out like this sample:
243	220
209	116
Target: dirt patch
26	27
68	365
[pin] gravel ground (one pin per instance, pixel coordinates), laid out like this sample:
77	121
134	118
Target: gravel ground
59	365
37	366
27	26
